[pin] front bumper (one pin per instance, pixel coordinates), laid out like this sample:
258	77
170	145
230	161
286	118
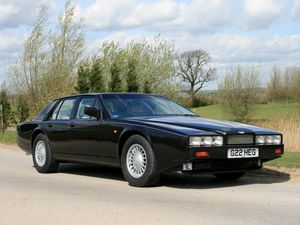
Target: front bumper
266	152
217	160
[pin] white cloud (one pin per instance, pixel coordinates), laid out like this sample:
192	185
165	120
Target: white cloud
14	13
153	12
107	15
162	15
262	13
203	15
296	10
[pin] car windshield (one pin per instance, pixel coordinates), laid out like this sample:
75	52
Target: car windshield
132	105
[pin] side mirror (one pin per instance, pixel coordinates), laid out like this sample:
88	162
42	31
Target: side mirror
92	111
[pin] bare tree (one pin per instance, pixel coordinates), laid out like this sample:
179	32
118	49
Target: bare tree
25	76
47	66
239	92
195	69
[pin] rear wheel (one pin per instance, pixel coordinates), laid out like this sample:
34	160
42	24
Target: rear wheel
229	176
138	162
42	156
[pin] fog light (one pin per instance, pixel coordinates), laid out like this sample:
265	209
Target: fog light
187	166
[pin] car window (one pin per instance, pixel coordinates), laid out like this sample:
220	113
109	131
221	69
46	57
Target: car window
85	102
54	113
66	109
45	111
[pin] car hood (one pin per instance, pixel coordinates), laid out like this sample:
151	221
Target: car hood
203	124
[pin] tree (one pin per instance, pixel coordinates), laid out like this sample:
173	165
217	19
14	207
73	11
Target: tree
152	63
147	88
96	76
22	109
275	84
83	83
47	66
132	84
115	82
239	92
194	68
5	111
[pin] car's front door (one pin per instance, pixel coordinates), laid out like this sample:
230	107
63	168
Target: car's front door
87	133
58	125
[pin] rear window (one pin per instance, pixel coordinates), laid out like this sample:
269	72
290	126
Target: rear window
45	111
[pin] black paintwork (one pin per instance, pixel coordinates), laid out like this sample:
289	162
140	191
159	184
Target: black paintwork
101	141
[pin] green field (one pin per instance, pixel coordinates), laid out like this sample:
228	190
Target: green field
263	111
9	137
289	159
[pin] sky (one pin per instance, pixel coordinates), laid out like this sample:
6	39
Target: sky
256	33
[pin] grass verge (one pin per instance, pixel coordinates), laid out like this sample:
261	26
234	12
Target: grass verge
9	137
289	160
267	112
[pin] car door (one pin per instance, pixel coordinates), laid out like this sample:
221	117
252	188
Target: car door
87	133
58	125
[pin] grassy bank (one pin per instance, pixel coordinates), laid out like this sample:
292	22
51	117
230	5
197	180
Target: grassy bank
265	112
9	137
289	159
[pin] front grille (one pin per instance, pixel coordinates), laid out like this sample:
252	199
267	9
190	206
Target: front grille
240	139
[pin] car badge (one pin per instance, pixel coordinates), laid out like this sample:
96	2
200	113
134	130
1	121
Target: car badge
241	132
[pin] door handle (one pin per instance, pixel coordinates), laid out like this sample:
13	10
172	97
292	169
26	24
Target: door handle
50	125
72	124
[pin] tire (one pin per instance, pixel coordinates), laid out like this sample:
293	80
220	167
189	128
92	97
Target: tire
137	155
229	176
42	156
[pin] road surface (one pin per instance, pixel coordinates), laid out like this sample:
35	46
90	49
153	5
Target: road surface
85	195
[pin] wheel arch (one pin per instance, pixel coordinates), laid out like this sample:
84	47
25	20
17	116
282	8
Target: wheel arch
35	133
126	135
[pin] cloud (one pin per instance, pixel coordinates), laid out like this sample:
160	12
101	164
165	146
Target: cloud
106	15
14	13
261	14
161	15
296	10
153	12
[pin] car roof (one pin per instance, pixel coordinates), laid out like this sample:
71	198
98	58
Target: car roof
104	93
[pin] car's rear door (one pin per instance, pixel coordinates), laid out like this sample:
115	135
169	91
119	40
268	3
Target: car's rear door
58	125
87	134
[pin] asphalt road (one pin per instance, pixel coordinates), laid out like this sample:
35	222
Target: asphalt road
84	195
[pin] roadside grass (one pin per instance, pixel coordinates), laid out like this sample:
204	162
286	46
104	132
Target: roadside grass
9	137
265	112
289	127
289	160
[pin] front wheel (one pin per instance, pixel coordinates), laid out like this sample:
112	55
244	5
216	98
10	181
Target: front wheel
138	162
42	155
229	176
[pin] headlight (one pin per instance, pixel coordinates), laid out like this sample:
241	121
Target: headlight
268	139
206	141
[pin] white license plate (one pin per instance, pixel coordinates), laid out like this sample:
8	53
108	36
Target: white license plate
242	153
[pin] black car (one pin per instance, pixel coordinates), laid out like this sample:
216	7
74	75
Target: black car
146	135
